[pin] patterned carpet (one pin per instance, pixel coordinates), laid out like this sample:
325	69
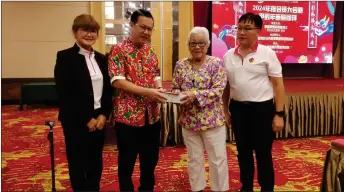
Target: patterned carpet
25	162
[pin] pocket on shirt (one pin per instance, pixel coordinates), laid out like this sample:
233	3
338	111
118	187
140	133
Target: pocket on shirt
147	64
148	68
146	76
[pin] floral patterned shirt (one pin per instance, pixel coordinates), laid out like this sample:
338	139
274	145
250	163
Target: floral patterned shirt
138	65
207	83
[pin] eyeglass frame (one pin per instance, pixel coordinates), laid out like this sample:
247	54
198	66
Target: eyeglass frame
90	31
144	28
244	29
198	43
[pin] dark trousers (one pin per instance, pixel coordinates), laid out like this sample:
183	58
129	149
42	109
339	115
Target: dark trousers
85	155
145	142
252	127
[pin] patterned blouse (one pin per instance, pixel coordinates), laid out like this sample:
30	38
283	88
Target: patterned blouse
139	65
207	83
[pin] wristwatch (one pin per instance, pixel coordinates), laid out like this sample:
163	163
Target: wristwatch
280	113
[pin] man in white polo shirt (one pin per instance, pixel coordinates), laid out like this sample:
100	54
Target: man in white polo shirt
256	92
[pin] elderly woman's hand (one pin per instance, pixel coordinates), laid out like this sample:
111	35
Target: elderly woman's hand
187	98
175	91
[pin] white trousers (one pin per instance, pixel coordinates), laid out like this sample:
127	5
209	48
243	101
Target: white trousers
214	142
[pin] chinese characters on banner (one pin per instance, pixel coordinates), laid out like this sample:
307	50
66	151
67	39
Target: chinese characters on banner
276	18
279	13
312	20
298	31
239	9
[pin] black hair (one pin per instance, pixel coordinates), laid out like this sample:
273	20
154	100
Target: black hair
140	12
252	18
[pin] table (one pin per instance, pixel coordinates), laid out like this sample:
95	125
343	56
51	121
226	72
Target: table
333	172
36	93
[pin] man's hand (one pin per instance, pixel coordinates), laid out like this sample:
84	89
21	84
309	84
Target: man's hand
101	122
188	98
162	90
155	95
228	120
92	124
278	123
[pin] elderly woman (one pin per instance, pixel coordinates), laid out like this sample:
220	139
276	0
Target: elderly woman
84	90
201	80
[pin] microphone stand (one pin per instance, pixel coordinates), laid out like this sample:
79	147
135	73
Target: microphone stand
51	142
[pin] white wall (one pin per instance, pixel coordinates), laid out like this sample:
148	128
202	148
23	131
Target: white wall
32	33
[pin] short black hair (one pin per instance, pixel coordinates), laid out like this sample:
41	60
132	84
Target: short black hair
252	18
140	12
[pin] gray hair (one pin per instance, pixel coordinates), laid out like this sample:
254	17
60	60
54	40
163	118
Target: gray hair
198	30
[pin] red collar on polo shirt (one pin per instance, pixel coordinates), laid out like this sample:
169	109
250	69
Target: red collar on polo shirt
254	49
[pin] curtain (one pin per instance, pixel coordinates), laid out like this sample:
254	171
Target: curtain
97	10
201	13
338	41
203	16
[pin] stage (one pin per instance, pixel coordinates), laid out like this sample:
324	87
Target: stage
313	86
314	107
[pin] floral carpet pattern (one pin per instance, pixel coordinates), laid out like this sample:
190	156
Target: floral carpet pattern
25	163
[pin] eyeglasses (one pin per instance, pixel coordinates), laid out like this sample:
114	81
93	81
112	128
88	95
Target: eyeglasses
144	28
245	29
200	44
91	31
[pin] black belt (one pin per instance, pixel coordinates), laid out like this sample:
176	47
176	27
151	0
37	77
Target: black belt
252	102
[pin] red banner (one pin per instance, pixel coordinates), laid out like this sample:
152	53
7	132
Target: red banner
299	32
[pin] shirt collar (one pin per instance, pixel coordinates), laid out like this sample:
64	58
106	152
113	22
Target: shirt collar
85	52
254	49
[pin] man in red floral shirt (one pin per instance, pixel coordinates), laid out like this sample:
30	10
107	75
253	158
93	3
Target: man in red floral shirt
135	73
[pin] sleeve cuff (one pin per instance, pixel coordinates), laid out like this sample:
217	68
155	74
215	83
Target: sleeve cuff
157	78
116	78
197	95
275	75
